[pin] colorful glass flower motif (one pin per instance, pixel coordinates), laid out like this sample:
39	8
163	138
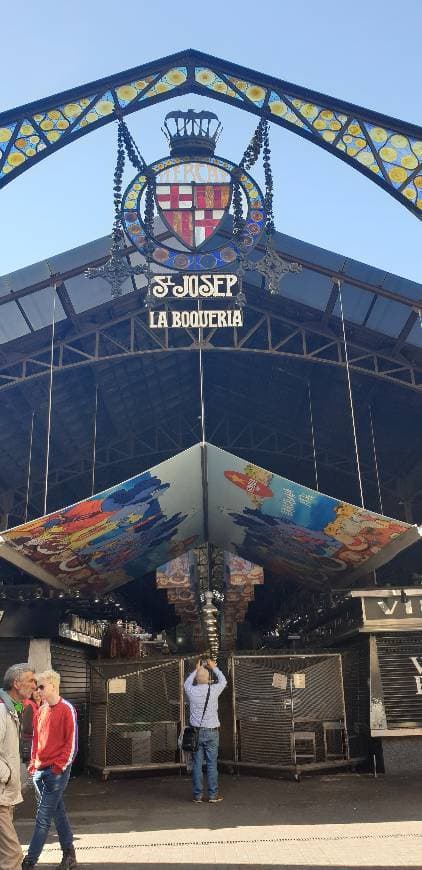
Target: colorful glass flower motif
172	79
394	156
209	79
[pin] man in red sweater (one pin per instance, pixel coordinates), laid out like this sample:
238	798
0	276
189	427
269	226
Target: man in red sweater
54	747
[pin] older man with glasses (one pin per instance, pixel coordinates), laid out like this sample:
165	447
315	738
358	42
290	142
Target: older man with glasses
18	683
54	747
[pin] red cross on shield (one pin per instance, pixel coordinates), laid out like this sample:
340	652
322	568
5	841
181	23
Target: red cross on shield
193	212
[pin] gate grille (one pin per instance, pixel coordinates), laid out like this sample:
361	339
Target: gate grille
403	704
289	709
135	715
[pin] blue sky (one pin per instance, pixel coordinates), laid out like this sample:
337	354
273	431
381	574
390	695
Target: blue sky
362	52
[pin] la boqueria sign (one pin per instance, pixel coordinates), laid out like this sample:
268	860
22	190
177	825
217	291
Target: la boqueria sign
199	288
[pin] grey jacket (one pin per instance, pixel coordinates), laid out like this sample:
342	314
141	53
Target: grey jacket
10	775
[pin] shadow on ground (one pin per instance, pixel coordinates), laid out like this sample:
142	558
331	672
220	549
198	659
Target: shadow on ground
164	803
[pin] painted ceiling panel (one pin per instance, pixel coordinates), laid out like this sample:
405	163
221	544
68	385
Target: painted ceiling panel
294	531
117	535
133	528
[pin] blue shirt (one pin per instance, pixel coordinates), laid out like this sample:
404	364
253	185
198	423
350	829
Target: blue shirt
197	695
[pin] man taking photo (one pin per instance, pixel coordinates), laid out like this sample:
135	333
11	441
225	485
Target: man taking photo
18	682
203	693
54	746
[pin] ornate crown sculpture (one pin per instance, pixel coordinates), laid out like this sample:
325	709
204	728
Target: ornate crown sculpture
193	133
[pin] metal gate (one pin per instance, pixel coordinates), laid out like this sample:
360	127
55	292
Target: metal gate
136	713
289	711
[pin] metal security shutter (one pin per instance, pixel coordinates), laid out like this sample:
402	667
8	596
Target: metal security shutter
355	660
13	651
72	664
403	704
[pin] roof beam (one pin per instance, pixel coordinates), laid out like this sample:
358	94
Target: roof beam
331	304
311	345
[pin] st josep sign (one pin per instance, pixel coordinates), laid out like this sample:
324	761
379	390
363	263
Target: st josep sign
193	192
199	288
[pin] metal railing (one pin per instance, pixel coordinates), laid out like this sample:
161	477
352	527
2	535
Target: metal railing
284	712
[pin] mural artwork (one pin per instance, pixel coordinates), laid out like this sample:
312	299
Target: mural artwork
143	523
178	578
119	534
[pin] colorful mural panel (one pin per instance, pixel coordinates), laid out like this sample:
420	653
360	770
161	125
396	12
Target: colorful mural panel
179	578
241	576
134	527
117	535
292	530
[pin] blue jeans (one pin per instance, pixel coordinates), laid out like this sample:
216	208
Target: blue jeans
208	749
49	789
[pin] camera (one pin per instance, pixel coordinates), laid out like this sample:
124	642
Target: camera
204	664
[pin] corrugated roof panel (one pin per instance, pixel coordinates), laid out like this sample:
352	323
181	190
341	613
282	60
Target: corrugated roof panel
402	286
311	253
38	307
24	277
307	287
356	304
78	256
85	293
415	335
388	317
364	272
12	323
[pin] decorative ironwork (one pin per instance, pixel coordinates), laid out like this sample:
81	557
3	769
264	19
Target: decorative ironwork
386	150
272	267
195	257
116	271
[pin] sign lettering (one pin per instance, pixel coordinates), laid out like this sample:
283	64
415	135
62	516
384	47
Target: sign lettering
378	609
193	286
195	319
387	610
217	286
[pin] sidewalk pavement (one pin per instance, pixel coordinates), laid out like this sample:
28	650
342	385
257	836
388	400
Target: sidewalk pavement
341	822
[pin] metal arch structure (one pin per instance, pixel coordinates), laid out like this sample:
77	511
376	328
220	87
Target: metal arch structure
265	332
386	150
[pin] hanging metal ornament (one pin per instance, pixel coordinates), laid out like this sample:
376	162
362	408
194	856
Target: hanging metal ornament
271	266
117	270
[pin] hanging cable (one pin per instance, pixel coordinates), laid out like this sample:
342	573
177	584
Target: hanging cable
28	479
201	382
94	443
50	394
374	448
311	416
346	355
